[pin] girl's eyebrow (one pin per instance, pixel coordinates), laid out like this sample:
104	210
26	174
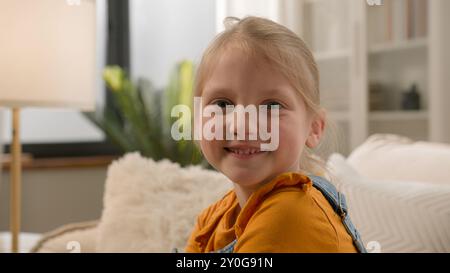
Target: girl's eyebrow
272	91
217	91
277	92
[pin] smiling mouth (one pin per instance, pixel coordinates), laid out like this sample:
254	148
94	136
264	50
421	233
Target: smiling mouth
244	153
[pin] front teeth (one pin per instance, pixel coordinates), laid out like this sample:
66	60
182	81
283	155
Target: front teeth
245	151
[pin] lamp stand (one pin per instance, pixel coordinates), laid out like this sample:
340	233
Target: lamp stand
15	172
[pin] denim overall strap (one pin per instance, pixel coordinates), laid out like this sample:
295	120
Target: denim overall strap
339	204
228	249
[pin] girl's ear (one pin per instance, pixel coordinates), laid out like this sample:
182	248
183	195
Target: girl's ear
316	130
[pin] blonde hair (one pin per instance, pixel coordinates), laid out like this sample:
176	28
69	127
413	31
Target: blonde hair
282	48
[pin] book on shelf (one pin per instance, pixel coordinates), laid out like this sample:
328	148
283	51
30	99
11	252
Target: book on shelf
378	22
397	20
420	13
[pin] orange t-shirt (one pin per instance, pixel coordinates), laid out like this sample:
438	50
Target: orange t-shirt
285	215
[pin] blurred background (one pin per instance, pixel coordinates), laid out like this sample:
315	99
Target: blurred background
384	69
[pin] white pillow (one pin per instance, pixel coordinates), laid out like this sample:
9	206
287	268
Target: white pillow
399	158
152	206
397	216
70	238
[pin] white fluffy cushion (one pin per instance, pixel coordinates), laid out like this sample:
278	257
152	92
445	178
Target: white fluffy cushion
399	158
70	238
152	206
400	216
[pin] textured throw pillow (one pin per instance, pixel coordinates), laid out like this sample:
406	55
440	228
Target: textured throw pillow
398	158
70	238
152	206
395	216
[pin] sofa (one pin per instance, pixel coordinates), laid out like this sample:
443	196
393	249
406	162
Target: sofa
397	190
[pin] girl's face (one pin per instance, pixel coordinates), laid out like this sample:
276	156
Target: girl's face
237	79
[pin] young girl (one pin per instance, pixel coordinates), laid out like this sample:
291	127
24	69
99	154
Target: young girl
277	204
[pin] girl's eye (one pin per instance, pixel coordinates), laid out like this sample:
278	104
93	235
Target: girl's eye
222	103
273	105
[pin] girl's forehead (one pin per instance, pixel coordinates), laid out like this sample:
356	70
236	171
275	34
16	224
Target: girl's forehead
237	67
238	56
234	67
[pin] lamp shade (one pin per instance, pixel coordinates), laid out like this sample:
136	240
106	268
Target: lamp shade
47	53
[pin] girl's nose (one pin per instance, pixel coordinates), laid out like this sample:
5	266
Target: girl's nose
242	124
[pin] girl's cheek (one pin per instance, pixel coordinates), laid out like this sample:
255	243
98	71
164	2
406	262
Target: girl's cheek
290	135
207	151
211	149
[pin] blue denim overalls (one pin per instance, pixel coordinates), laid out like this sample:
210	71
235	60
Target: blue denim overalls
337	201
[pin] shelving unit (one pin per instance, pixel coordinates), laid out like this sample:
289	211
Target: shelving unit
419	43
339	62
401	43
401	55
398	60
399	115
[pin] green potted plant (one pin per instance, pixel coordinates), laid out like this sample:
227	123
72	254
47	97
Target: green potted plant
140	120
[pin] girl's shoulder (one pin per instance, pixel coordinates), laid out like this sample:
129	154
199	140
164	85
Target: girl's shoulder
288	219
297	213
217	209
208	221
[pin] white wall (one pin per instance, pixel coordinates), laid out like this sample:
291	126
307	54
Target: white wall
59	125
165	32
162	33
264	8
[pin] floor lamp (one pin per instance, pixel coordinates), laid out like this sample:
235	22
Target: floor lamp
47	55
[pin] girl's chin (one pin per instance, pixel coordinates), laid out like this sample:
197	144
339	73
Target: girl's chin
244	178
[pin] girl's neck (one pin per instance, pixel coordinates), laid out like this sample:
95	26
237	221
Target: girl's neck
243	193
